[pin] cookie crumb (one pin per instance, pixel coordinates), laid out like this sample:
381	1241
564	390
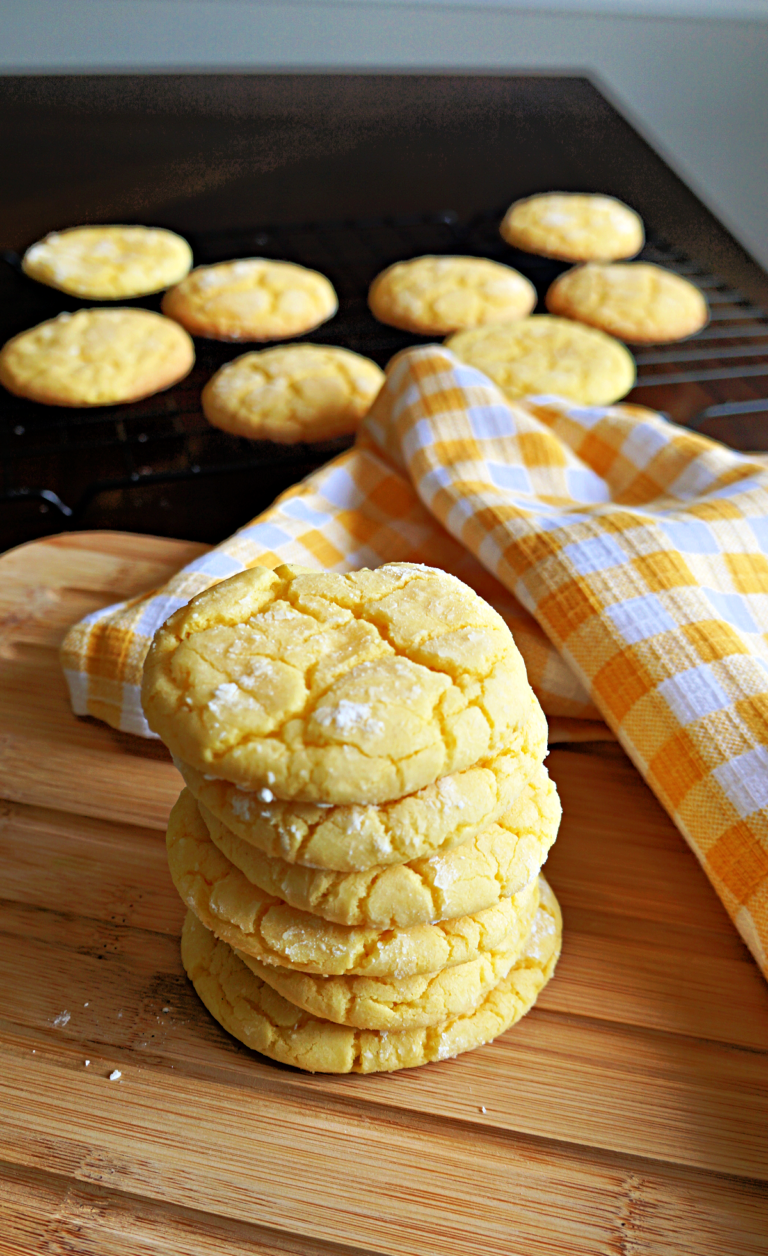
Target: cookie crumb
115	1075
87	1063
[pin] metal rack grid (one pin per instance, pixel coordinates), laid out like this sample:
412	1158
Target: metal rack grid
158	466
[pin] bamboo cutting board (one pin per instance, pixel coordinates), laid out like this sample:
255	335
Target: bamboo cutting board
627	1115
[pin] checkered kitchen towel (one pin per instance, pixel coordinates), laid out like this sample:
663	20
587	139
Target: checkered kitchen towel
628	556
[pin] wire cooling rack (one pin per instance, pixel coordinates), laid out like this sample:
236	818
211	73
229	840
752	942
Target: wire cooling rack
157	466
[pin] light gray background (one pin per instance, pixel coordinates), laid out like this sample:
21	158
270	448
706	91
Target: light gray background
692	75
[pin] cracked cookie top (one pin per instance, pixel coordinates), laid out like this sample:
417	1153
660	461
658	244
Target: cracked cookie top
330	688
438	295
292	393
353	837
544	355
109	263
99	357
636	301
574	227
252	298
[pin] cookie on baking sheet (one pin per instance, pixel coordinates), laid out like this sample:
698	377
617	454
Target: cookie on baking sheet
251	299
265	927
331	688
96	358
499	861
410	1002
292	393
573	226
438	295
353	838
636	301
258	1016
109	263
546	355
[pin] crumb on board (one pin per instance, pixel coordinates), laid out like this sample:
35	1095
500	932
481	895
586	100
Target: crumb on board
115	1075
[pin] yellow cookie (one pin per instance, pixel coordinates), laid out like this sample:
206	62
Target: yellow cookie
355	688
293	393
261	1018
251	299
411	1002
265	927
638	301
109	263
496	863
545	355
437	295
96	358
574	227
353	838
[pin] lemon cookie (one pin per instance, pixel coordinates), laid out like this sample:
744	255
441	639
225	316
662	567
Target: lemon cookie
261	1018
638	301
355	688
251	299
109	263
265	927
292	393
96	358
496	863
353	838
542	354
408	1003
574	227
437	295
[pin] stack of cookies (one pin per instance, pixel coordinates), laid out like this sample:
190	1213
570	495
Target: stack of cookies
366	814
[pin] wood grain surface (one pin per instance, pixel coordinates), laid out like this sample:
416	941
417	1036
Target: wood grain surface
627	1115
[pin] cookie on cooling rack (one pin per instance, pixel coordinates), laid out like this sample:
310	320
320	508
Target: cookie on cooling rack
544	355
637	301
96	358
574	227
438	295
109	263
251	299
292	393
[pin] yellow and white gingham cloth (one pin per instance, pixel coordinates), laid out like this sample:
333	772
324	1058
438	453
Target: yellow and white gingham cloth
627	555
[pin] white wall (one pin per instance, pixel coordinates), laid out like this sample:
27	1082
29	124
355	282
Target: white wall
691	74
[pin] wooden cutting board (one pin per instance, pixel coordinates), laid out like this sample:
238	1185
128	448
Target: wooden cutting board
626	1115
